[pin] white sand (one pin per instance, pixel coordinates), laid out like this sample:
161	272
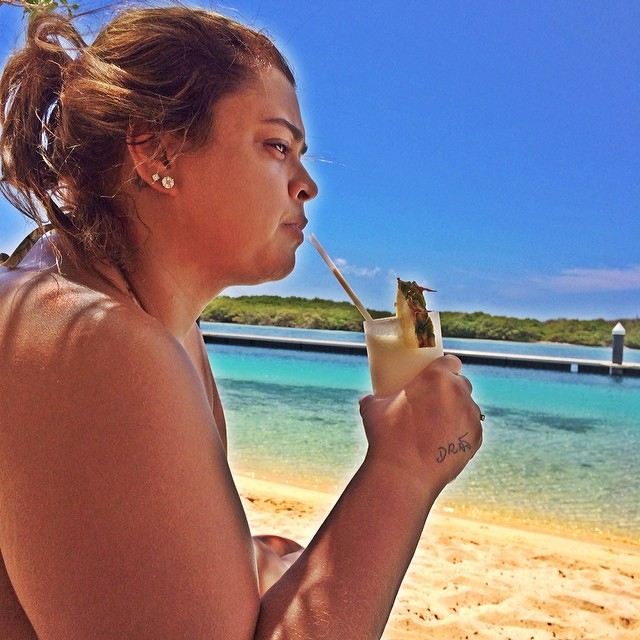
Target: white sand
484	581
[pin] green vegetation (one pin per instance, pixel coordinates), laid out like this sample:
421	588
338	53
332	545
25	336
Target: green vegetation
287	312
594	333
327	314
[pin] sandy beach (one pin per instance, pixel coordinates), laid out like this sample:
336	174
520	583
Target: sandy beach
475	580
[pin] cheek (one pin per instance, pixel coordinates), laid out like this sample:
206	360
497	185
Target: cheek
242	205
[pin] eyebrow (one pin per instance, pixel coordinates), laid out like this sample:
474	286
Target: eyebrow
295	132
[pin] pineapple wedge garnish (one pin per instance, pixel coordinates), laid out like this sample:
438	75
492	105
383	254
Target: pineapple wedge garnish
411	310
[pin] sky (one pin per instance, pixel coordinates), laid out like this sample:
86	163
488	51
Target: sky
489	150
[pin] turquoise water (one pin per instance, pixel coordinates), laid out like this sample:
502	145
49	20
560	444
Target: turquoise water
559	447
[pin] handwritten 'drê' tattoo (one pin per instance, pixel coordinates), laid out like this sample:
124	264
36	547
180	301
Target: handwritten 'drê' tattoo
454	447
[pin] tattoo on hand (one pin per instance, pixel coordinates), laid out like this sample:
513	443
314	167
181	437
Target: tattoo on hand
461	445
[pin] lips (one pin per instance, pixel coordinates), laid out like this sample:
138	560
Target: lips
296	227
298	224
296	230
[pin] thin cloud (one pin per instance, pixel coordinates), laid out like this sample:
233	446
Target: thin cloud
349	269
582	280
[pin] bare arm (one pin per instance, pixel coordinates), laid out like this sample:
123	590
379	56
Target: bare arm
345	583
119	514
274	554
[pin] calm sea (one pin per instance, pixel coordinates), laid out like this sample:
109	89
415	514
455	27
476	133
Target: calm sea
561	449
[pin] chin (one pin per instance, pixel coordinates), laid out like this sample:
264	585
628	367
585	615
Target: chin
280	273
268	274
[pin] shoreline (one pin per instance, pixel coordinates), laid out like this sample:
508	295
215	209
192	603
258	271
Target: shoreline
486	580
449	508
480	517
536	525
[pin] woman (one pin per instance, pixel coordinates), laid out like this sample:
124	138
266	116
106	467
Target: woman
167	158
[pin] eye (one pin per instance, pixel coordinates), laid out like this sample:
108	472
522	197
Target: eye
280	146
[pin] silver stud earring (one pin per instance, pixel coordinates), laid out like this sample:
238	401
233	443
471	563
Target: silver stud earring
168	182
155	177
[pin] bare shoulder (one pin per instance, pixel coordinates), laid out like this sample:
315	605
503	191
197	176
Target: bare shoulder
70	329
90	352
119	515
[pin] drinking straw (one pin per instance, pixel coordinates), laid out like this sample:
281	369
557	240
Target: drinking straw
339	276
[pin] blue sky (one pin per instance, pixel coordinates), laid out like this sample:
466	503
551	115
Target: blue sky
489	150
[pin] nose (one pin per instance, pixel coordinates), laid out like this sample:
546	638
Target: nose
302	187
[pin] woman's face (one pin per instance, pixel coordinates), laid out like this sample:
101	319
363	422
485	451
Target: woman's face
244	194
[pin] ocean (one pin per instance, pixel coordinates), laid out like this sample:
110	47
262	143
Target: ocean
561	450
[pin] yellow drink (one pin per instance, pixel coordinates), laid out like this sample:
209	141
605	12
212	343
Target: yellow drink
392	363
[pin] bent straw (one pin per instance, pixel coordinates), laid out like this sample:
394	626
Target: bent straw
336	272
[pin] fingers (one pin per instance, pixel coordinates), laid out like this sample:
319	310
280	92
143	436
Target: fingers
453	364
475	419
480	429
450	362
365	402
464	381
432	424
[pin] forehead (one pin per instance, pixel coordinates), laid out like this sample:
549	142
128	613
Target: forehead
268	97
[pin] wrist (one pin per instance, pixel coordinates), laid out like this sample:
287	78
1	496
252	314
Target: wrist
411	481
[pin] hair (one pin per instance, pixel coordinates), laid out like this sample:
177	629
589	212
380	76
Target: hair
68	110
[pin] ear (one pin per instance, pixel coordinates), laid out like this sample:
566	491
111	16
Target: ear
150	162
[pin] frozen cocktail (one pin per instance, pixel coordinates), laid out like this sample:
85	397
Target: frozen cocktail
398	347
393	360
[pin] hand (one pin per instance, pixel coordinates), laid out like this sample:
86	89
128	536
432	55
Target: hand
430	429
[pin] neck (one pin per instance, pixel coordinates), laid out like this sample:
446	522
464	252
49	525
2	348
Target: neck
167	292
168	275
151	284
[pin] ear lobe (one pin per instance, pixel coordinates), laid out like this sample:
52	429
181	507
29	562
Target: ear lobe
151	169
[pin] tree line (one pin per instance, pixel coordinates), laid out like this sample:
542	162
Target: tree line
318	313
